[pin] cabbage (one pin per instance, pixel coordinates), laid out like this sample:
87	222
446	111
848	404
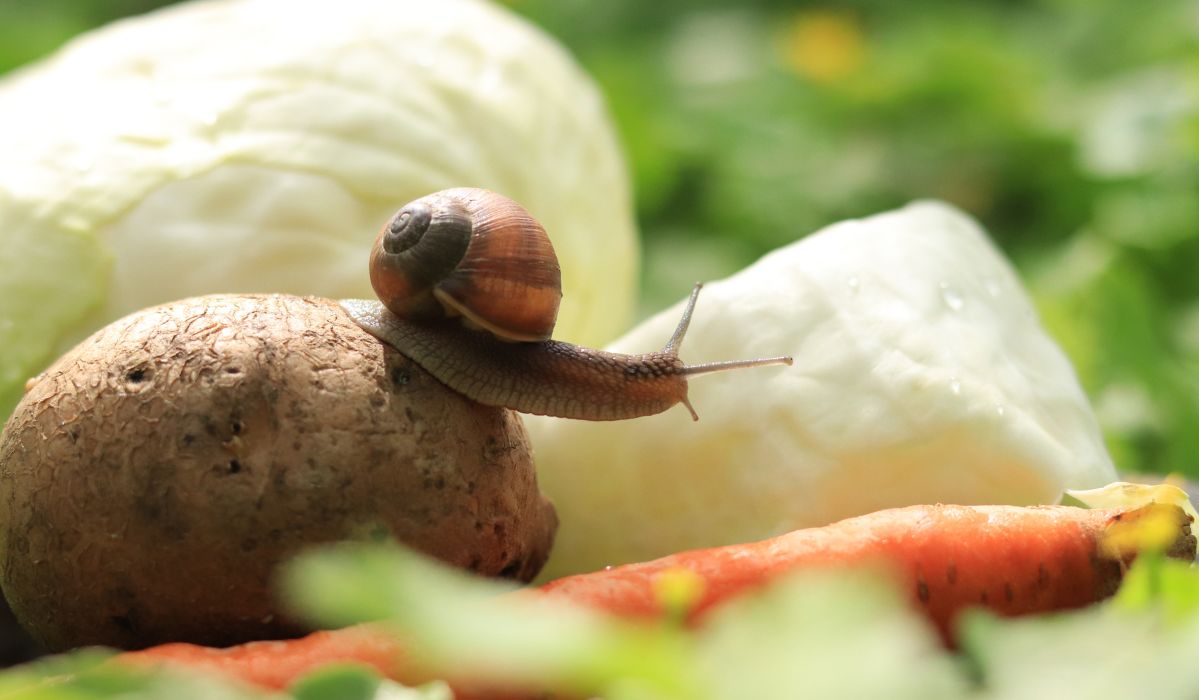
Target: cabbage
258	145
922	374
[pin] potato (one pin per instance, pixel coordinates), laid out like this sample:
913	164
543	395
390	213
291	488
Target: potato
153	478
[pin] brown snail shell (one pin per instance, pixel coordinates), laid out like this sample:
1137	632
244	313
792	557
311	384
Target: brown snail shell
474	253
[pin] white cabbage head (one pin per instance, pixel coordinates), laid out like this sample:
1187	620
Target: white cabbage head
921	375
258	145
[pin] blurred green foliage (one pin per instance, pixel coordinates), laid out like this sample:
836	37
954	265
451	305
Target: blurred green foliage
801	635
92	674
1069	128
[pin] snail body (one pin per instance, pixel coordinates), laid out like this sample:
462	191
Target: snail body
474	255
549	377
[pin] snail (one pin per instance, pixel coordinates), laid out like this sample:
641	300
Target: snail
468	288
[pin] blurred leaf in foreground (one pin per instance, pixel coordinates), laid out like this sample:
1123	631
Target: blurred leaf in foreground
460	625
1168	585
1142	644
806	636
89	675
1101	653
809	637
86	675
351	682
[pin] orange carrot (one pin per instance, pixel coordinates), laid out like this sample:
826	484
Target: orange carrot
1013	560
276	664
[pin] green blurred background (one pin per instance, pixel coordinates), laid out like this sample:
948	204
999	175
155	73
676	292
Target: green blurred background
1070	128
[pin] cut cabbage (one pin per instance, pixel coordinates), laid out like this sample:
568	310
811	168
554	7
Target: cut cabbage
921	375
258	145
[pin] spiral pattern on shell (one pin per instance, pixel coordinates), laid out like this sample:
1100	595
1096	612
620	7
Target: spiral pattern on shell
474	253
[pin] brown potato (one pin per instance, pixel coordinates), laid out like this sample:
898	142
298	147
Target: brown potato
155	476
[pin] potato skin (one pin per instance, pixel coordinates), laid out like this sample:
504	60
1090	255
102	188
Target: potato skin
153	478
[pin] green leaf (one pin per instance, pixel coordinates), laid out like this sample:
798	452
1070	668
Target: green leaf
353	682
454	622
390	690
809	635
1140	644
88	675
40	679
1166	584
805	636
1099	653
341	681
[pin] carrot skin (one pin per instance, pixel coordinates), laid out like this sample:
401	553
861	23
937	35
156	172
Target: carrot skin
276	664
1012	560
